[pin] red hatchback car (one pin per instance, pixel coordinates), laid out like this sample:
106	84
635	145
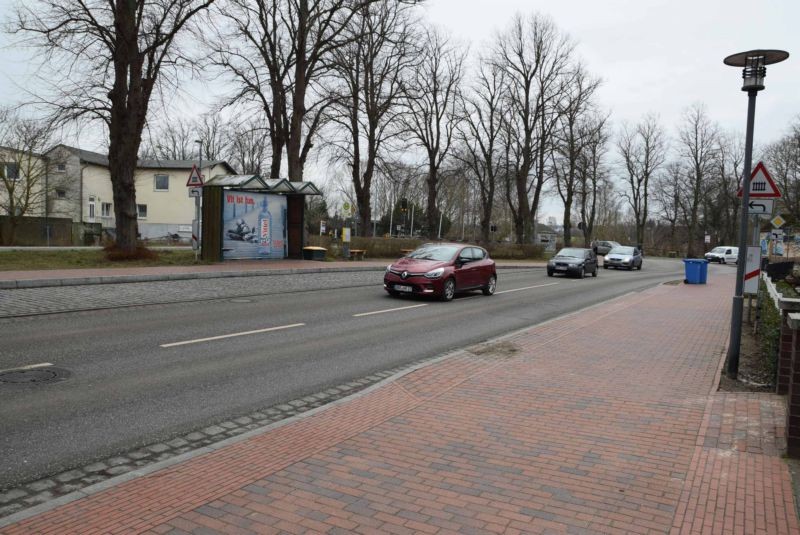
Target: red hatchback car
442	269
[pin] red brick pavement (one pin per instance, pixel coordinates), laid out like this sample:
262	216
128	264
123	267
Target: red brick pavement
600	422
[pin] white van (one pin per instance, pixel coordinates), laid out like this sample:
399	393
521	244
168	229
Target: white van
723	254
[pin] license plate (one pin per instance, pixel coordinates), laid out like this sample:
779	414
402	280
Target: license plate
401	288
561	268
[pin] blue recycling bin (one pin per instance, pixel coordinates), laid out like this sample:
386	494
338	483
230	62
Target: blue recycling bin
696	270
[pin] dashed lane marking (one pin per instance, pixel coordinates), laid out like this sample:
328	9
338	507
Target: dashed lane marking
388	310
223	336
526	288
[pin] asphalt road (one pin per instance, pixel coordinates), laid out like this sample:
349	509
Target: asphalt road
147	373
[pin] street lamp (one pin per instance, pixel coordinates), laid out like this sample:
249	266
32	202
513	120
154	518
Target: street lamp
754	69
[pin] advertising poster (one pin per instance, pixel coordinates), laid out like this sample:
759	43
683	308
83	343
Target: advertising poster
253	225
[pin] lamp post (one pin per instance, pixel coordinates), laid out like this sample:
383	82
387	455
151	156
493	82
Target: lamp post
754	69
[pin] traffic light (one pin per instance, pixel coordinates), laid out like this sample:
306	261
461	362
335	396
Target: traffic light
403	204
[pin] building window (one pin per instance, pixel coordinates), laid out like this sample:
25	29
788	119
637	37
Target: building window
61	167
61	193
10	170
105	209
161	183
141	211
91	208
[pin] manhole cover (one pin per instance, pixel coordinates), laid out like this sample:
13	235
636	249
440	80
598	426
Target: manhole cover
34	376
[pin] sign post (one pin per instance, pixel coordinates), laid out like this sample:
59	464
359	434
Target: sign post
195	185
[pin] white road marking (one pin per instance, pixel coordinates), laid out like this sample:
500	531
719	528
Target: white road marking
28	367
388	310
526	288
211	338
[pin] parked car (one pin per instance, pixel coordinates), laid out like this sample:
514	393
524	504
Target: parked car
723	254
623	257
573	261
442	270
602	247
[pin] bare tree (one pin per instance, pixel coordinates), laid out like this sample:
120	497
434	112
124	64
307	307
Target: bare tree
570	140
434	87
253	45
722	206
643	149
534	56
481	137
25	172
699	150
247	149
783	161
592	172
370	71
107	57
667	194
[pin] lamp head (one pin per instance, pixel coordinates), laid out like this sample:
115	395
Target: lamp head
754	66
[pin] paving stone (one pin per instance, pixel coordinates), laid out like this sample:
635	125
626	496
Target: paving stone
284	407
95	467
39	498
195	436
244	420
119	469
177	443
116	461
213	430
42	484
10	509
229	425
158	448
11	495
69	476
298	403
139	454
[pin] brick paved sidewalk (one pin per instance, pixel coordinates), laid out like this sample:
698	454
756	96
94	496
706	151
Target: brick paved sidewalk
604	421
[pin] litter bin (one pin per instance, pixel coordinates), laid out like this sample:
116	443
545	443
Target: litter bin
696	270
314	253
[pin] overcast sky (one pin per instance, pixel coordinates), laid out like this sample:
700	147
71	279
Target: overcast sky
654	56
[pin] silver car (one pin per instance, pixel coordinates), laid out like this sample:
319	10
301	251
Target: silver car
623	257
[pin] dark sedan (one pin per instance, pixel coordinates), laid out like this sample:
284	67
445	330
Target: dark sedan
573	261
442	270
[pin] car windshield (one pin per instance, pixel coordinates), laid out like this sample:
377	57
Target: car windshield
622	250
439	253
718	250
572	253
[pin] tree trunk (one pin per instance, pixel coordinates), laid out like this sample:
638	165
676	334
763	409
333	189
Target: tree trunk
433	213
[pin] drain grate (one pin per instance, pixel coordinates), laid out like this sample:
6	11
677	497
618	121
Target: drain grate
34	376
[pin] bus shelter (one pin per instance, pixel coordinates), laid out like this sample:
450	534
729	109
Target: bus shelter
250	217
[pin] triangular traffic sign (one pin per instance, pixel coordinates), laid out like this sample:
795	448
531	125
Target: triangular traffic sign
761	184
195	180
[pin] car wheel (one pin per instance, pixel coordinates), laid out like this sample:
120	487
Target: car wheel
393	293
582	273
449	290
639	267
491	286
605	266
722	261
549	273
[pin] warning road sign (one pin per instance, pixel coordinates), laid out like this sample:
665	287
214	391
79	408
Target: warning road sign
761	184
195	180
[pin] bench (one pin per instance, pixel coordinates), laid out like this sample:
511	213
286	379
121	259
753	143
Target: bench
358	254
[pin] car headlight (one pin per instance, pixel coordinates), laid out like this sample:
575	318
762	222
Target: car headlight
575	264
388	268
627	259
435	273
